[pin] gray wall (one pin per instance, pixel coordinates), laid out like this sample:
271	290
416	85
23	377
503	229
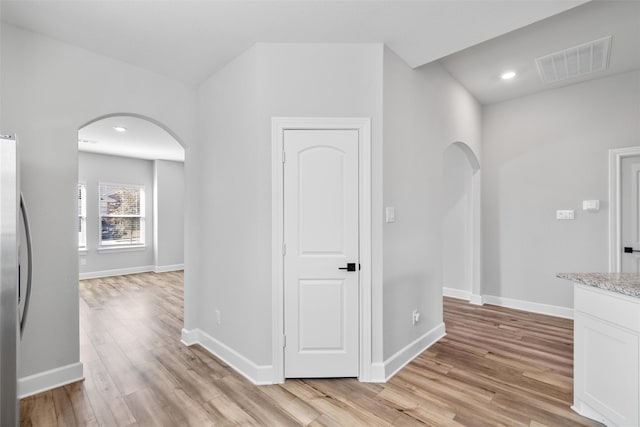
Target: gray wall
49	90
331	80
456	227
231	179
235	110
542	153
425	110
168	228
94	169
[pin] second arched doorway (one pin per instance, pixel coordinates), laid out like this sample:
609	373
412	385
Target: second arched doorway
461	223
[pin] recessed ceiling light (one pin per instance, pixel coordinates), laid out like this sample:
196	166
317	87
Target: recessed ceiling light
119	128
508	75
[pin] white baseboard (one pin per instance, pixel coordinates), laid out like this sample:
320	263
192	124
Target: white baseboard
461	294
117	272
534	307
476	299
587	411
257	374
43	381
167	268
377	373
405	355
456	293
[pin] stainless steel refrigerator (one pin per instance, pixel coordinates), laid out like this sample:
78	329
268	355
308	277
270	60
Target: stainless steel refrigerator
15	287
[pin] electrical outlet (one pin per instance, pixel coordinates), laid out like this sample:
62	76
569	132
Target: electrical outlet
565	214
218	317
415	317
83	261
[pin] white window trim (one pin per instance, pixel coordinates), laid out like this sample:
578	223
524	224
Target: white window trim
83	248
119	247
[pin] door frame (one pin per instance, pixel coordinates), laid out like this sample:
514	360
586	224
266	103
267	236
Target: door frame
363	126
615	200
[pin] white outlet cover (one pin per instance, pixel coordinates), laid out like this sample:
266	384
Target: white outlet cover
565	214
390	214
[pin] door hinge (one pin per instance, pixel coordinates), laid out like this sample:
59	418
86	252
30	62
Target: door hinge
284	157
284	249
284	341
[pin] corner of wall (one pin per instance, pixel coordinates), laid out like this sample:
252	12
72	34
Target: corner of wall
412	350
257	374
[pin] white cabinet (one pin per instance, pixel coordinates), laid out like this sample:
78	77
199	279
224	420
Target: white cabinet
607	356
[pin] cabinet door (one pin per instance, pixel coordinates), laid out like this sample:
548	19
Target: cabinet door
607	369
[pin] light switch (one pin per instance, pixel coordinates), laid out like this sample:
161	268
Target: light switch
591	205
565	214
390	213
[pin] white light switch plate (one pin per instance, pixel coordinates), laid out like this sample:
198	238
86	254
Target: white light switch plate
591	205
565	214
390	214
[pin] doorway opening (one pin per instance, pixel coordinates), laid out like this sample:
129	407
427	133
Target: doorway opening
130	197
622	218
461	223
130	226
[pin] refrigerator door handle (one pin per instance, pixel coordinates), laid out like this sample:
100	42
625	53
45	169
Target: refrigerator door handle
27	232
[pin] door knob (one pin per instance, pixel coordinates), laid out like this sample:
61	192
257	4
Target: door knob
351	266
629	250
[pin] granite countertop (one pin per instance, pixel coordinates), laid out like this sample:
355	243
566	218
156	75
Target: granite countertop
622	283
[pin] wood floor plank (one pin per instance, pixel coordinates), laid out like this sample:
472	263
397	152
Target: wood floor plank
496	366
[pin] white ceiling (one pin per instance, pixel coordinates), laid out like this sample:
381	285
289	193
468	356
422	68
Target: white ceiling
143	139
479	67
190	40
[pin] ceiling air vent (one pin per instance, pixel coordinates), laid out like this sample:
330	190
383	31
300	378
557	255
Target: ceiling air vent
575	61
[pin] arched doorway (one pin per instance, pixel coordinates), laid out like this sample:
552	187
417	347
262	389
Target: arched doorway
461	223
130	197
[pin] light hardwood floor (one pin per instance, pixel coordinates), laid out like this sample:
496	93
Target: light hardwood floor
495	367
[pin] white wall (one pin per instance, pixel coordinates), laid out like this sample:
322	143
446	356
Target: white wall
99	168
168	228
232	254
49	90
235	110
425	110
457	223
331	80
545	152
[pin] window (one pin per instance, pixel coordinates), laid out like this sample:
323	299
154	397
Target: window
82	216
121	215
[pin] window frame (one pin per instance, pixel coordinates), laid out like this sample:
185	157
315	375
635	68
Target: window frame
82	215
120	245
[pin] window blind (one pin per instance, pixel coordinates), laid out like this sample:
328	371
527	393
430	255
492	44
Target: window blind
121	214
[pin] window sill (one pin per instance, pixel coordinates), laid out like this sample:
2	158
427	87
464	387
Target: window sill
111	249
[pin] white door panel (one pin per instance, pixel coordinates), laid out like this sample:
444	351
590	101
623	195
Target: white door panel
321	236
321	181
321	327
630	213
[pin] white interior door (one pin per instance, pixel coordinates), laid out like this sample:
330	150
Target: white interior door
630	214
321	239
